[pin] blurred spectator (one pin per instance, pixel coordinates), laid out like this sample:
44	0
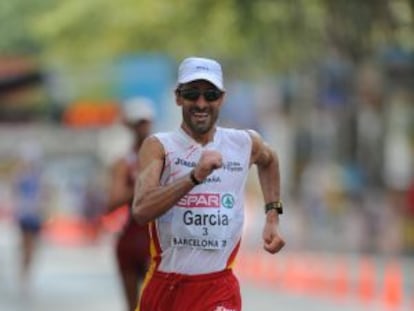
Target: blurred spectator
409	228
335	79
29	208
370	125
399	163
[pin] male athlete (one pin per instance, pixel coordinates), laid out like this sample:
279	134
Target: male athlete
190	189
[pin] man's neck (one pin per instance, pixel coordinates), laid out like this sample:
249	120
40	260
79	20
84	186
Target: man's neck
202	139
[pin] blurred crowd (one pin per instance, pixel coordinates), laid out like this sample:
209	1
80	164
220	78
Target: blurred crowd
344	134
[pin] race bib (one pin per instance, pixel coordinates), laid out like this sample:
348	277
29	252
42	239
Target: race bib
203	220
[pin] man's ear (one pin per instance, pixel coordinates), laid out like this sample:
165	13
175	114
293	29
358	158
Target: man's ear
177	97
222	99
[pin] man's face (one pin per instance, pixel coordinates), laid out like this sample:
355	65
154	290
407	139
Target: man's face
140	128
200	111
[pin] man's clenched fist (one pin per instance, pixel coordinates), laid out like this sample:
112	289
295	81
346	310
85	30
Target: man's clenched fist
209	161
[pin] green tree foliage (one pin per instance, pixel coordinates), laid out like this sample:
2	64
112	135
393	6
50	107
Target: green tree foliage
15	26
261	34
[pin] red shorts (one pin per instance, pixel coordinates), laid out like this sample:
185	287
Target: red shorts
132	249
218	291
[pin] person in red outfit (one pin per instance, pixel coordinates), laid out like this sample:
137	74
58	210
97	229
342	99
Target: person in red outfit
132	247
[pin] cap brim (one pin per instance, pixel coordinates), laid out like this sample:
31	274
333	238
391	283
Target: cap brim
203	76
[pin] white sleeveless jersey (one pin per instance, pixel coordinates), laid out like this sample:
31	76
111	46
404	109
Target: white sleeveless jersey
201	233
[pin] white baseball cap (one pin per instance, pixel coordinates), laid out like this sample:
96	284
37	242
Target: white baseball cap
138	108
198	68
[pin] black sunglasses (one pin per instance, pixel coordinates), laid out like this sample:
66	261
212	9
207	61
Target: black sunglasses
209	95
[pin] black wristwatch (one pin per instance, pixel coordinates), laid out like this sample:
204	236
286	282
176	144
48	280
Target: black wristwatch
277	205
194	180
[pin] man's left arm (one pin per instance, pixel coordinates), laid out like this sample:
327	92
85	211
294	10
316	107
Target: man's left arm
269	177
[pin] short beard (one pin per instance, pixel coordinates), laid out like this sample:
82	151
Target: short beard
200	129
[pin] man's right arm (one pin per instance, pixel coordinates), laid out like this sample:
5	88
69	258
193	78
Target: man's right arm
151	200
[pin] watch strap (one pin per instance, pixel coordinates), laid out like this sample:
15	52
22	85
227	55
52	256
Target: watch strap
276	205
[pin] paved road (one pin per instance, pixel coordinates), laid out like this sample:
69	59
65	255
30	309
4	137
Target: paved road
84	278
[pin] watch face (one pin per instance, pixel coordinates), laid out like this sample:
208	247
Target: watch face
278	206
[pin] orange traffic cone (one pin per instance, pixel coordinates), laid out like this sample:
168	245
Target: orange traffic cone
393	288
293	281
366	281
317	280
247	268
341	285
270	265
273	271
307	275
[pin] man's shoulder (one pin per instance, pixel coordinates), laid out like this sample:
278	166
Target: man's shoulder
235	134
233	131
169	139
164	133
